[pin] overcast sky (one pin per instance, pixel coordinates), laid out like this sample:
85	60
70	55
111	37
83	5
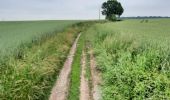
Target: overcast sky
76	9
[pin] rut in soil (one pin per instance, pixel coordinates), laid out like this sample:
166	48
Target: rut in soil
60	90
84	87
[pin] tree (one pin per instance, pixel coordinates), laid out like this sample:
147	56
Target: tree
112	9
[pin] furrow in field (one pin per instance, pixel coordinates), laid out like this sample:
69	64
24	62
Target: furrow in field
60	90
84	87
96	93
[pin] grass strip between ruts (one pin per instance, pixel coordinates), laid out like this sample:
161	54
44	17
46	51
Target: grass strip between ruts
74	91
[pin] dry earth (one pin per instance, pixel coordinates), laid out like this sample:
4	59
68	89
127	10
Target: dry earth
60	90
84	88
96	93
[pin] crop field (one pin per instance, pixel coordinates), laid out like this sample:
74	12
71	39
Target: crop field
84	50
133	57
89	60
15	33
33	53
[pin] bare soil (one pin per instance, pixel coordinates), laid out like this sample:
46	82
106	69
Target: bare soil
96	80
84	88
60	90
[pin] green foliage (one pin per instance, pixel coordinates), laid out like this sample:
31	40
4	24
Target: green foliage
30	71
111	9
133	58
144	21
111	17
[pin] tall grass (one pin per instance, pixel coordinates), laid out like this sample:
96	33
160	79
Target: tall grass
133	58
30	71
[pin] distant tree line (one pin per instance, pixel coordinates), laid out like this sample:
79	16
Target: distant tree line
145	17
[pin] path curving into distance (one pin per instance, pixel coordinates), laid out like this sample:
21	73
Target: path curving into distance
61	88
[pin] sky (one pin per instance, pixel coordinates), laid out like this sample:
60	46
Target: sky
76	9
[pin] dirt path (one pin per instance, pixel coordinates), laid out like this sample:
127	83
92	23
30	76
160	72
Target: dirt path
96	93
84	88
60	90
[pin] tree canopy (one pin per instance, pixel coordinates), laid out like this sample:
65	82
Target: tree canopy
112	9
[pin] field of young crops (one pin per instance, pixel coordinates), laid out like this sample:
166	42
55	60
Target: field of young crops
13	34
134	58
32	54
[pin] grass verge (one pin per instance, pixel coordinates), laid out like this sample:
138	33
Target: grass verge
133	59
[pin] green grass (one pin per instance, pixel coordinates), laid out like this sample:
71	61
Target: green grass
133	58
15	33
87	54
88	70
75	73
30	72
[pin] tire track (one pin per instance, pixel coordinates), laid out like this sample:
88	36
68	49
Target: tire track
60	90
96	92
84	87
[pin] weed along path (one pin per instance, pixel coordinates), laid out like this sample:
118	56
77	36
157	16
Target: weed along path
60	90
84	87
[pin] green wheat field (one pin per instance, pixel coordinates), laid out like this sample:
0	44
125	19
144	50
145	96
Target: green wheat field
132	56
